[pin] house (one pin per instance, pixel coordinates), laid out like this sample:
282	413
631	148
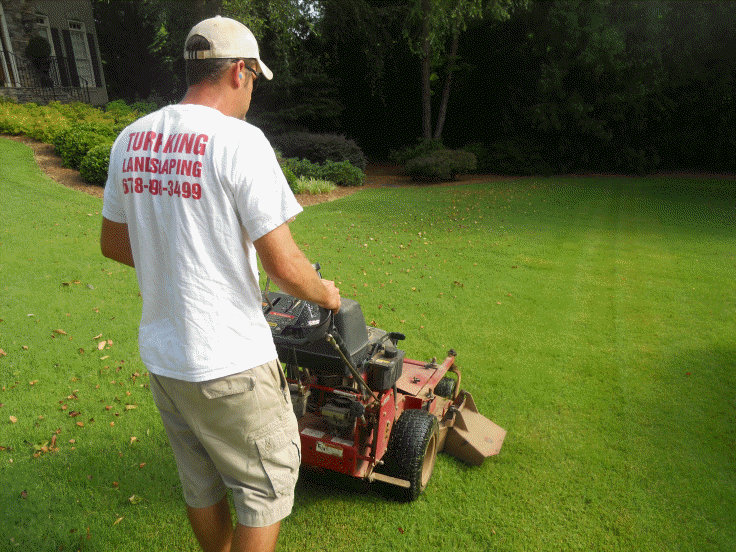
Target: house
49	51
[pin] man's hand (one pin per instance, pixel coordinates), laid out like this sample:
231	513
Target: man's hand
333	296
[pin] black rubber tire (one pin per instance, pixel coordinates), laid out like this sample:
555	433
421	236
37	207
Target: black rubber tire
446	388
411	453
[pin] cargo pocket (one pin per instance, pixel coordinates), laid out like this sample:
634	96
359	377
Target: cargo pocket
229	385
280	455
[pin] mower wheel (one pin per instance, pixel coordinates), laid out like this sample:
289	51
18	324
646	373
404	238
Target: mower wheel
412	451
445	388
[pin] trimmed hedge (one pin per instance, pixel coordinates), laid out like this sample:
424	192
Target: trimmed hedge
441	165
73	144
320	148
94	166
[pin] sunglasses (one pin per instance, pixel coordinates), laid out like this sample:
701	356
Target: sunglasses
256	80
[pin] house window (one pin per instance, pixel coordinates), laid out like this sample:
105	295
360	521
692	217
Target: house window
44	30
82	57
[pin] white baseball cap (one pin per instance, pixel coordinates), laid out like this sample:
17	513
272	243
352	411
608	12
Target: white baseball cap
228	39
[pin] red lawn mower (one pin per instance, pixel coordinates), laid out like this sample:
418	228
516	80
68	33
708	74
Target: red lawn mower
365	410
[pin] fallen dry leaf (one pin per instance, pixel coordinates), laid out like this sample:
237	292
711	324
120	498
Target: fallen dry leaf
60	332
101	345
13	419
3	353
117	521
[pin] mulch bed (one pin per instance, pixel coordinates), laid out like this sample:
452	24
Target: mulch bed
376	176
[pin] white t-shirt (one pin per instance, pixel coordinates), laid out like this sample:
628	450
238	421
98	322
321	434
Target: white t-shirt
196	188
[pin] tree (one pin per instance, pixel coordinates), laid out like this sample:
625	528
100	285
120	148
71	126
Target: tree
441	22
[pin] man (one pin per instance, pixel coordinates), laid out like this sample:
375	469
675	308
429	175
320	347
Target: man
193	194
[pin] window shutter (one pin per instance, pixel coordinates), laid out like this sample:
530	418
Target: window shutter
74	76
61	61
94	60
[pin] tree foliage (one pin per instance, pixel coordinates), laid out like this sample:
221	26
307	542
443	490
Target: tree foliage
562	85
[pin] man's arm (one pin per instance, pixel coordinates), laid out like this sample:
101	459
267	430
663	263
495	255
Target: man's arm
287	266
115	243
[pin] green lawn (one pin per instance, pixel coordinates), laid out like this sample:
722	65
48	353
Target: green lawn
593	319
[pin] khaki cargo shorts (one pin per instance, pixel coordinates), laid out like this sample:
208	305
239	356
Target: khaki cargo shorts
239	433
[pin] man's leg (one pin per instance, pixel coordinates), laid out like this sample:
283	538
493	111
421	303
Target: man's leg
255	539
212	526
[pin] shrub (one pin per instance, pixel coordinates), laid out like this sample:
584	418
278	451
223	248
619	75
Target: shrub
144	107
441	165
518	156
290	178
94	166
422	149
320	148
301	167
118	108
38	48
74	143
482	154
341	173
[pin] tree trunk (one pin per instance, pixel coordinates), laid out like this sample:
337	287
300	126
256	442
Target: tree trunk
446	90
426	73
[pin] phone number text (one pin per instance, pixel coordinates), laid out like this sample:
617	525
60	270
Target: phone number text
154	186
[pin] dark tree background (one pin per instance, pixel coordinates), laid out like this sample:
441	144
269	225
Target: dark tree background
536	86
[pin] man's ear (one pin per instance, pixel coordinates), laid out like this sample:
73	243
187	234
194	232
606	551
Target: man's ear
237	75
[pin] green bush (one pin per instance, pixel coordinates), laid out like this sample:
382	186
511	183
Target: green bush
441	165
422	149
518	156
341	173
73	144
301	167
38	48
118	109
482	154
94	166
291	178
144	107
320	148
